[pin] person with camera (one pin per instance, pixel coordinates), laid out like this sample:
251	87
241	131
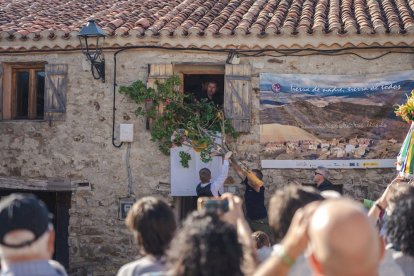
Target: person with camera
339	236
215	240
206	188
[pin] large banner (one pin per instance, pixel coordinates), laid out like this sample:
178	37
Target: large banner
332	117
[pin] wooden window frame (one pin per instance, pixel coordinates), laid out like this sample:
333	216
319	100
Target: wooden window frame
10	85
197	69
237	78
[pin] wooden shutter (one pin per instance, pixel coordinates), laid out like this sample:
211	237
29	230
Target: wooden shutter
159	72
237	96
55	91
1	91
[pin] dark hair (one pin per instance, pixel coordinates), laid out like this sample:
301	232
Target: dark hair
207	246
212	81
400	192
205	84
153	222
284	204
261	239
400	226
205	175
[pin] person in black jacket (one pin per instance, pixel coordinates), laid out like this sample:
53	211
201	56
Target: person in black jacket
321	179
254	200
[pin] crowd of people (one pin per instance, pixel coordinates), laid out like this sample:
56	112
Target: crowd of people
304	231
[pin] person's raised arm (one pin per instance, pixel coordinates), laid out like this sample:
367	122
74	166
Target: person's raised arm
217	185
236	217
292	245
382	203
238	169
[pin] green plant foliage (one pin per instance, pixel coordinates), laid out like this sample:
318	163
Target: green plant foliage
190	122
185	157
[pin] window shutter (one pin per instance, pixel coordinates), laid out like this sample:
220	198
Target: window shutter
1	91
237	96
159	72
55	91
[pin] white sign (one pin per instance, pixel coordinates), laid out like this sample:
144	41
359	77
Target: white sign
185	180
331	164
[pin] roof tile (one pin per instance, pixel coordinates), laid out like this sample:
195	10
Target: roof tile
30	19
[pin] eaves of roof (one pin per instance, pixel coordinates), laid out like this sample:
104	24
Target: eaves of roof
60	40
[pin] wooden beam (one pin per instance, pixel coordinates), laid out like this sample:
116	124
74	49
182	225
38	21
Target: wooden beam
52	184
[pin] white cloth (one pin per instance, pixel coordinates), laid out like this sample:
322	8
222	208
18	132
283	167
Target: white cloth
217	186
185	180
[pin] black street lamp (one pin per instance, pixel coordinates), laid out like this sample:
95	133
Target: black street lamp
91	49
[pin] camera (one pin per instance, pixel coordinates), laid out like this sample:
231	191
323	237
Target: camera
213	204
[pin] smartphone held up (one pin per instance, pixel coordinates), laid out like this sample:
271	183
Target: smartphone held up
213	204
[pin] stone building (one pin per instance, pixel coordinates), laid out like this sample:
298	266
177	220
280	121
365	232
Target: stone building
62	149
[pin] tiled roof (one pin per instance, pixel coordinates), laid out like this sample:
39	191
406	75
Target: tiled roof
39	19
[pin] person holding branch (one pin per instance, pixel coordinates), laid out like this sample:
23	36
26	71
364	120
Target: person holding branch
254	199
205	187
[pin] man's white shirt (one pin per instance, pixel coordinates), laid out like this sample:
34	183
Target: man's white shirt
217	186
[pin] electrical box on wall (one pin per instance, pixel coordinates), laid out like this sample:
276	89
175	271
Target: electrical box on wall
126	132
125	205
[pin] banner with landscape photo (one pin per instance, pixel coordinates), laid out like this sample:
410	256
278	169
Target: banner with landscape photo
308	117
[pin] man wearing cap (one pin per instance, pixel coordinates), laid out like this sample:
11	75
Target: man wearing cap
26	238
321	179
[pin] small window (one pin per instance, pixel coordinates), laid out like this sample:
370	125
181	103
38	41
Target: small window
28	90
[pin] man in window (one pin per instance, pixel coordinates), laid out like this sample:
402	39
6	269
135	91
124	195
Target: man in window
209	92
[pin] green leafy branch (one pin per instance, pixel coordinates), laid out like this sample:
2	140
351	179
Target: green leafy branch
189	122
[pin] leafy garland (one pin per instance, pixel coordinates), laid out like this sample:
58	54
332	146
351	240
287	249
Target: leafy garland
189	122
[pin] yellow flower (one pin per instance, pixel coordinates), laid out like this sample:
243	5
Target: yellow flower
410	103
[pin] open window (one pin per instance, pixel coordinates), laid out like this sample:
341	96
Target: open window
208	87
233	84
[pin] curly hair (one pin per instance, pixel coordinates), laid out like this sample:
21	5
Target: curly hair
284	203
400	226
205	246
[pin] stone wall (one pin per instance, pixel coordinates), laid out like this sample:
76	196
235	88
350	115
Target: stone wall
80	148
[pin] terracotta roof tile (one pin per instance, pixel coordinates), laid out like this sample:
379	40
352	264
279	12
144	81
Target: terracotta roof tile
30	19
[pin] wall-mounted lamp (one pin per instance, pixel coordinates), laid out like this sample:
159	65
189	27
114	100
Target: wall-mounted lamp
93	49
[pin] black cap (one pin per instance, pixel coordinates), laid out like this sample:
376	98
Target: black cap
23	212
